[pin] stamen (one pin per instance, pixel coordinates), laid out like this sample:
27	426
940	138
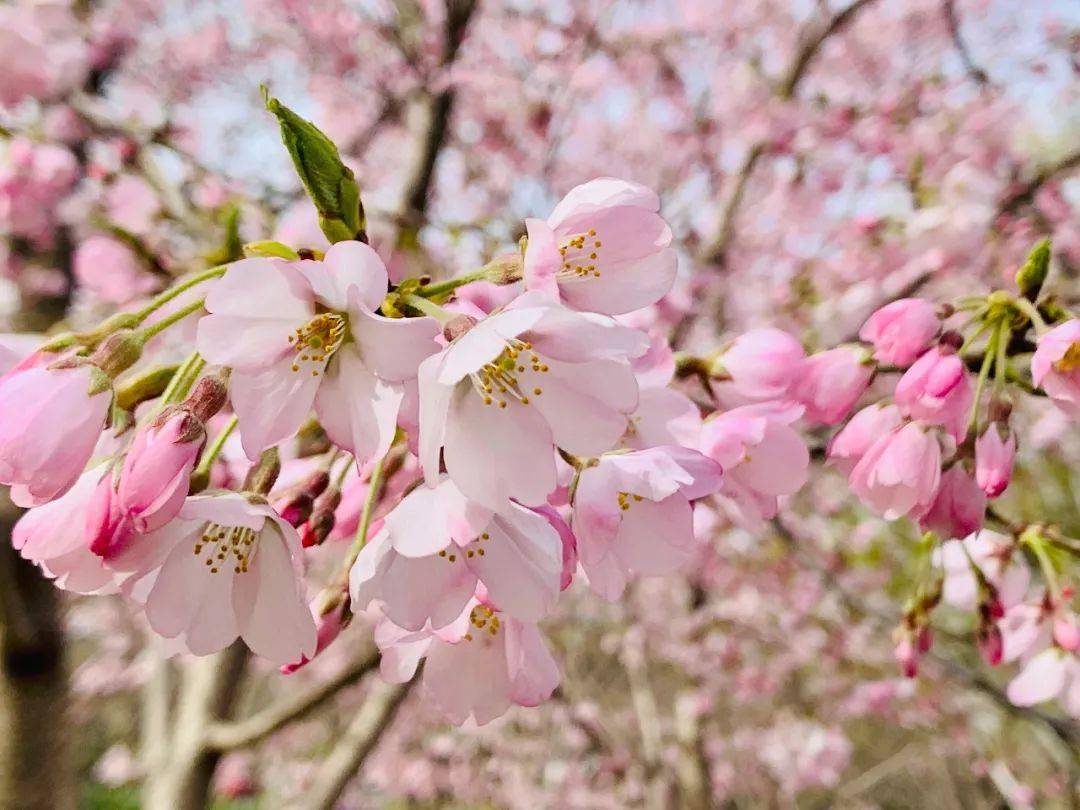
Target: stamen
316	341
578	261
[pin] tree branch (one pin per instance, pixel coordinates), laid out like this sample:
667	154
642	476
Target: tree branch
429	115
359	740
977	74
811	40
1024	193
257	727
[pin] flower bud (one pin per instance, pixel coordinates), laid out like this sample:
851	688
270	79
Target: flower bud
208	397
107	532
505	269
991	644
901	330
458	326
120	351
329	623
1031	276
322	520
297	508
1066	631
830	383
958	507
995	453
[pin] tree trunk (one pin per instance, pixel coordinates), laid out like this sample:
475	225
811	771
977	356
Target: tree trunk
35	766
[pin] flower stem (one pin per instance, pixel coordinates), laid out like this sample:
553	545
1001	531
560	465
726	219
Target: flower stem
215	448
429	308
183	379
1032	313
450	284
183	286
375	483
160	326
984	372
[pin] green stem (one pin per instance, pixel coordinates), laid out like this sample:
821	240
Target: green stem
973	337
1047	566
160	326
984	372
1032	313
183	379
1001	362
215	448
375	483
182	286
450	284
427	307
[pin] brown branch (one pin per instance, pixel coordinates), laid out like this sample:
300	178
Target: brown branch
811	40
254	729
359	740
952	20
430	114
1025	192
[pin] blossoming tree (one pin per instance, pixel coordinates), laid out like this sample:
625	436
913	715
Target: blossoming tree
431	408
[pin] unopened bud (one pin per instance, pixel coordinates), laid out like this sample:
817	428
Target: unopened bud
323	519
952	340
262	477
119	352
1031	276
458	326
991	644
208	396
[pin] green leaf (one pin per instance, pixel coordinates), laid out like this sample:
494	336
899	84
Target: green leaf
328	181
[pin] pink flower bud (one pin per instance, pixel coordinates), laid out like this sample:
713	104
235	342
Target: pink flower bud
864	428
958	509
107	530
901	331
157	470
991	644
830	383
328	626
937	389
994	459
900	472
907	656
1055	366
763	363
50	420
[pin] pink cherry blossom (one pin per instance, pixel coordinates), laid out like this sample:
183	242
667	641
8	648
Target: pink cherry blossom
632	514
900	472
226	566
1055	366
477	667
303	334
50	420
938	390
762	456
424	565
994	457
110	270
53	537
1052	674
153	481
830	383
763	363
500	397
958	506
998	560
603	249
901	330
866	427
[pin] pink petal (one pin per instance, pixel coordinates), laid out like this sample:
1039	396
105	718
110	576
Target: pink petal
271	404
393	348
357	409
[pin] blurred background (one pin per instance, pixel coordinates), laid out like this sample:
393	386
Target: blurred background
815	158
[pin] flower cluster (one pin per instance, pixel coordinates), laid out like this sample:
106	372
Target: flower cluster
504	446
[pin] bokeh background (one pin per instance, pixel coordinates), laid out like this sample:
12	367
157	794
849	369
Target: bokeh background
815	158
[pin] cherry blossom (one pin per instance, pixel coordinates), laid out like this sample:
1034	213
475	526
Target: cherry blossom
1056	366
305	334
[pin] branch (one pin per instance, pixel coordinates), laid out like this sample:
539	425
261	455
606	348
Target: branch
811	40
257	727
359	740
1024	193
433	118
977	74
